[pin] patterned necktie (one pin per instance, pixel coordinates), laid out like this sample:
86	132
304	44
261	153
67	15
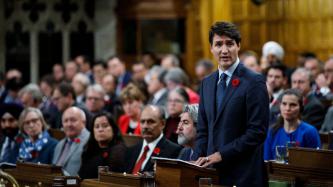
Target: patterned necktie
138	165
220	92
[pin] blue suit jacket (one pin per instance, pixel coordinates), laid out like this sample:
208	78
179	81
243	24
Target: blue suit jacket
238	130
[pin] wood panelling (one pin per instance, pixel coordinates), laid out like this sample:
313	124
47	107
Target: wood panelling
298	25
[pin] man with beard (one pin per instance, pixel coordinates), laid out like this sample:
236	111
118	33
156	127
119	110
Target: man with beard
186	131
154	143
10	142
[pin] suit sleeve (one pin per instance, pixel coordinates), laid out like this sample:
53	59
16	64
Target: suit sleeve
257	117
202	128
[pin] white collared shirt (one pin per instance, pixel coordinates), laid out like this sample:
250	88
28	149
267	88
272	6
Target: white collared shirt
151	146
229	72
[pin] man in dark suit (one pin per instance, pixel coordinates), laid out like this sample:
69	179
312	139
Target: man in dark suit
154	143
233	115
314	111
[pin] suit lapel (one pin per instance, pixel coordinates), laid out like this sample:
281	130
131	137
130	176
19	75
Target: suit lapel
212	93
57	152
160	145
230	90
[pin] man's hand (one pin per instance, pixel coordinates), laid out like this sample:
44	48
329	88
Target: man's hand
211	159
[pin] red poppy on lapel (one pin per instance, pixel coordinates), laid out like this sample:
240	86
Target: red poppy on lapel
19	139
235	82
34	154
105	154
77	140
157	151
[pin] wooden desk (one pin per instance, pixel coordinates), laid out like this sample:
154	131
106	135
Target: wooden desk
176	173
31	174
306	166
119	179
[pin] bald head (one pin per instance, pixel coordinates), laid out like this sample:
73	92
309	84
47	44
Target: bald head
152	122
73	121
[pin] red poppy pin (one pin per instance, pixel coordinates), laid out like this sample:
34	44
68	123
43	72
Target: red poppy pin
105	154
235	82
77	140
157	151
19	139
34	154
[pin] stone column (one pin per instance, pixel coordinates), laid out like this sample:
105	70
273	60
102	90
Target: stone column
65	46
34	57
105	29
2	37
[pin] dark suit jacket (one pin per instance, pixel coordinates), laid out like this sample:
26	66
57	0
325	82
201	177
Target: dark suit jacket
112	156
238	130
314	112
167	150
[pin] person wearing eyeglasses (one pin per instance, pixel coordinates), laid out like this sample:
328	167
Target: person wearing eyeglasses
37	146
177	99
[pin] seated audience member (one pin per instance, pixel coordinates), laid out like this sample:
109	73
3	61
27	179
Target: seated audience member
272	53
140	77
68	151
11	137
116	67
58	72
38	145
186	131
314	111
71	69
177	99
156	87
175	78
64	97
80	83
250	60
95	99
104	148
170	61
276	81
203	68
154	143
112	102
289	126
132	100
99	70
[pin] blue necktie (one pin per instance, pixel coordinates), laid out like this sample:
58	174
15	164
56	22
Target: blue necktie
220	91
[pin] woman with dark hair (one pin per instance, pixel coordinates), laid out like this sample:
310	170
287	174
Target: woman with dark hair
38	145
177	99
105	147
289	127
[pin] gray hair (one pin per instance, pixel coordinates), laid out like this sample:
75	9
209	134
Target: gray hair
83	79
97	88
34	91
304	71
193	111
174	59
177	76
24	114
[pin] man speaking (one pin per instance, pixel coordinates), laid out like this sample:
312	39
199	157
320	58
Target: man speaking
233	114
